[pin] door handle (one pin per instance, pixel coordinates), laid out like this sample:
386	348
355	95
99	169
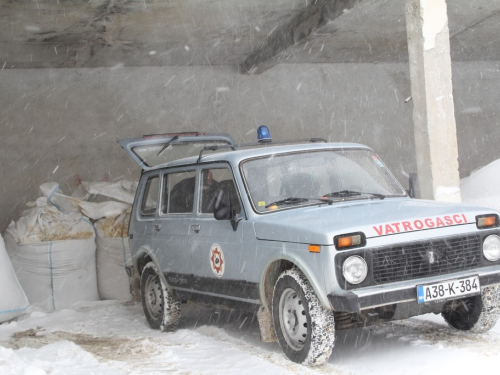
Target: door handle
195	227
157	227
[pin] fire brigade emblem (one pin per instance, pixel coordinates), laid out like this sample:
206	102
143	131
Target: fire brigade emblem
217	260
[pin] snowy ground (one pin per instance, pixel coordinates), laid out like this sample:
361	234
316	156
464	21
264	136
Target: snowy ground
110	337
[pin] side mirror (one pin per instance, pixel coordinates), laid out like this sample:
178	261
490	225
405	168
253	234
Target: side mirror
223	209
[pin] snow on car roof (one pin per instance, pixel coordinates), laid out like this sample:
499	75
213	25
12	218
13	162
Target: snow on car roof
238	155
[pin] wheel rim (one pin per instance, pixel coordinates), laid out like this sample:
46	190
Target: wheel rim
293	319
153	296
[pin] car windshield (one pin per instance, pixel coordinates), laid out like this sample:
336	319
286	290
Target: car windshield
286	181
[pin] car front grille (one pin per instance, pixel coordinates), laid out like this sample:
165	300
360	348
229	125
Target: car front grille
437	257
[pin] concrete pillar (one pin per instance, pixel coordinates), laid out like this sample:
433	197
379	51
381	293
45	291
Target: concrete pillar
432	93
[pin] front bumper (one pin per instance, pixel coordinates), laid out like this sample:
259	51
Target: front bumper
354	303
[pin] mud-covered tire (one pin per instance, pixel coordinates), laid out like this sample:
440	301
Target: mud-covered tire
161	308
304	328
477	314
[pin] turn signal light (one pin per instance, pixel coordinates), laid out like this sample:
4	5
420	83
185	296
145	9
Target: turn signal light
314	248
486	221
348	241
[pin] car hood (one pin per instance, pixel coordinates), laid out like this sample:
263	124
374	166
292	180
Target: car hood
375	218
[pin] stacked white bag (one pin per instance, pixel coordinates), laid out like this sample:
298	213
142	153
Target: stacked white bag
52	249
114	266
14	300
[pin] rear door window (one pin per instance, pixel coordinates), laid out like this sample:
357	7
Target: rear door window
150	196
178	192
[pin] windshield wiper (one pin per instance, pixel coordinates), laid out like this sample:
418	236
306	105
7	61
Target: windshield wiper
324	200
294	200
351	193
167	144
287	201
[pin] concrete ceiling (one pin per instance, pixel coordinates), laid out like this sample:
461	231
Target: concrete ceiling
375	31
252	35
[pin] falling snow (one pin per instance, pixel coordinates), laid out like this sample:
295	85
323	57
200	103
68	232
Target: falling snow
110	337
77	78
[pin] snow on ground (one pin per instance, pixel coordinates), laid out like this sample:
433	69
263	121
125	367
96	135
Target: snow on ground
110	337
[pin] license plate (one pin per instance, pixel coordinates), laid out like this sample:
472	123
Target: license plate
448	289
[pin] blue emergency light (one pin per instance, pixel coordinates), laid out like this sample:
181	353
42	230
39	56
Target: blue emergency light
263	135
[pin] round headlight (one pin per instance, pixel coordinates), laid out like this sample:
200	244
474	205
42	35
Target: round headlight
354	269
491	248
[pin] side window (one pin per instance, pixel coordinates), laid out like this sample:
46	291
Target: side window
178	192
212	180
150	196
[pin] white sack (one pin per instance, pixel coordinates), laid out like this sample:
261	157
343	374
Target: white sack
13	300
55	274
46	223
482	187
113	255
97	211
123	191
63	203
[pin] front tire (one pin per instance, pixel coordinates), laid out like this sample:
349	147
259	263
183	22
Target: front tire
477	314
161	308
304	328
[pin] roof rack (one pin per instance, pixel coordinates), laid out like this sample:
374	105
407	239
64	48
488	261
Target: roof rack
258	144
180	134
311	140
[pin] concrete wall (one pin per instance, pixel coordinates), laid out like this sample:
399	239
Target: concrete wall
62	123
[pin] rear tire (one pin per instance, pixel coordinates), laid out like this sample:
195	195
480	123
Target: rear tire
161	308
476	314
304	328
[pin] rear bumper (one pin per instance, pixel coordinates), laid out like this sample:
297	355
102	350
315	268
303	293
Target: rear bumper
353	303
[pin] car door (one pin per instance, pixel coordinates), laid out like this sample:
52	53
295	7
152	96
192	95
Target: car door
173	225
142	227
217	248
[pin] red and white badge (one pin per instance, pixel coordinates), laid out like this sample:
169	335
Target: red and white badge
217	260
